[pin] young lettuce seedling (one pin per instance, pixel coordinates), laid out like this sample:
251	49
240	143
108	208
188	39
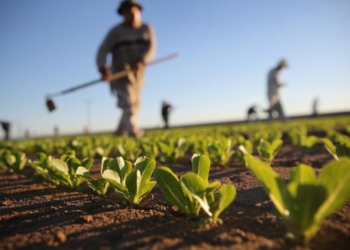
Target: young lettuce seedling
274	135
61	171
306	200
99	185
331	148
193	191
130	186
268	150
43	168
342	148
297	134
220	151
172	150
128	149
13	162
150	148
307	142
82	148
245	148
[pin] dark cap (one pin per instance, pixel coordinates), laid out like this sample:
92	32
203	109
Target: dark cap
127	4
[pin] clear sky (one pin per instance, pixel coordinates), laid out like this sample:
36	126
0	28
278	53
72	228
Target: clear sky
226	49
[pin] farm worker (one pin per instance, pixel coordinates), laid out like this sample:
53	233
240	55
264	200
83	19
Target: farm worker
274	86
252	113
132	45
166	108
315	107
6	127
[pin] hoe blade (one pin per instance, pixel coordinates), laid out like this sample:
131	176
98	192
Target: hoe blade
50	105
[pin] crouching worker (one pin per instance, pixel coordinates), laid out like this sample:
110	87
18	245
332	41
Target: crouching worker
252	113
132	45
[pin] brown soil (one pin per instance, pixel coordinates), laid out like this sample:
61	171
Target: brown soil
42	216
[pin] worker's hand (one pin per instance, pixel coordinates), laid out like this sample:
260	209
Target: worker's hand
106	74
139	65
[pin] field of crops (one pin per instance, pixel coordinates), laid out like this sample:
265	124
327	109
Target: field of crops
248	186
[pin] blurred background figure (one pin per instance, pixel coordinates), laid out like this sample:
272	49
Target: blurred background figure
6	127
166	108
86	130
56	131
252	113
274	86
132	45
315	104
26	133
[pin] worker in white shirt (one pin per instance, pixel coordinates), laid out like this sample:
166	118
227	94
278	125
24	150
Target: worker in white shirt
274	87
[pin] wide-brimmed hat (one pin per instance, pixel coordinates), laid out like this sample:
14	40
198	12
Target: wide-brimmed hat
127	4
282	63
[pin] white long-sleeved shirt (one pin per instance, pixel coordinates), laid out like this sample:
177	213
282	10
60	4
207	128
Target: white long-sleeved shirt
273	86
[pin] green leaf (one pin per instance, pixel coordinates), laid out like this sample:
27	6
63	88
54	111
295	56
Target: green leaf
146	167
224	198
87	163
113	178
83	172
212	186
73	164
100	186
10	159
125	171
248	146
331	148
335	177
271	182
303	174
60	166
268	150
132	184
343	149
305	202
194	187
201	166
276	145
171	188
104	164
123	168
41	157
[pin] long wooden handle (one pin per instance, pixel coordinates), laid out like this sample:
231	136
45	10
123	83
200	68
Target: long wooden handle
114	76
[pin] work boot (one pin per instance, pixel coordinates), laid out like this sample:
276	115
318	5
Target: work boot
137	134
121	133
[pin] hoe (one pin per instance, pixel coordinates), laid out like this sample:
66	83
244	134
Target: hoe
51	105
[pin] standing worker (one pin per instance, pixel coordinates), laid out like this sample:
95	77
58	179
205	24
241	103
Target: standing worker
132	45
6	127
274	86
166	108
315	107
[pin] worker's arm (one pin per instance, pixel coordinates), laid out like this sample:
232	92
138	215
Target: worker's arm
277	81
150	51
101	59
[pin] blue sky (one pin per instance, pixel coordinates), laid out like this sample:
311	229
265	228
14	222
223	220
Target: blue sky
225	49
